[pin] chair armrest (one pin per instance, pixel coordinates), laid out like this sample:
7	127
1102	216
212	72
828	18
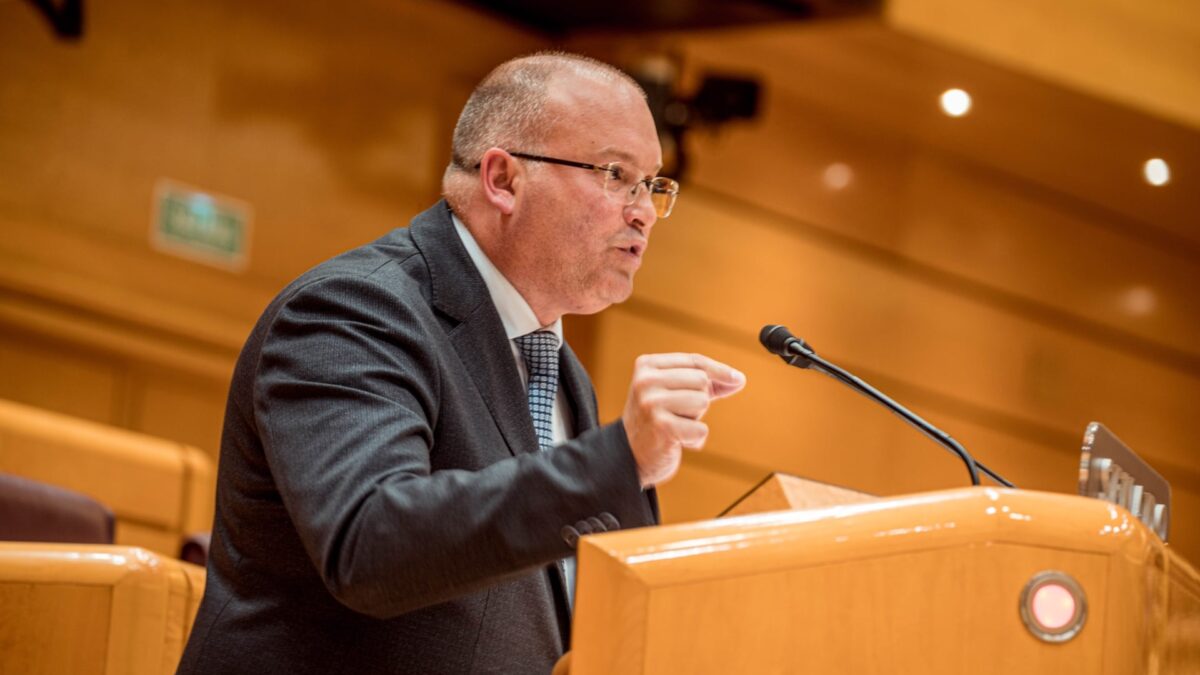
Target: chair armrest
80	605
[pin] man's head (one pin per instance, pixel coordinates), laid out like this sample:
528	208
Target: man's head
567	243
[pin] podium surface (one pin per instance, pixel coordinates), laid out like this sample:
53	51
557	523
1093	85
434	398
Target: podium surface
928	583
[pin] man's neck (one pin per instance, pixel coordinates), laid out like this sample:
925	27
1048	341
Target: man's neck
487	240
516	312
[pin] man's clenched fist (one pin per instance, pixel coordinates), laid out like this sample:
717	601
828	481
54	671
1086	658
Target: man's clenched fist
668	396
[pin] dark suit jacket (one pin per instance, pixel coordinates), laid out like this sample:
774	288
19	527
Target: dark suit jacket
382	506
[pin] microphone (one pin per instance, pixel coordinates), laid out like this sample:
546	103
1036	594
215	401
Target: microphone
795	352
779	340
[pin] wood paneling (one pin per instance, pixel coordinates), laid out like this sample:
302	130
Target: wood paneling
742	272
322	119
962	225
1143	54
171	405
1082	150
50	376
333	122
802	423
699	493
1120	288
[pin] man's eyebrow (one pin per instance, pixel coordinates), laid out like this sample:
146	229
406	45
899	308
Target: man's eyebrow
625	156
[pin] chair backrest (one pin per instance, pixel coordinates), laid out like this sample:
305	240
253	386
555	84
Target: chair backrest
159	490
195	548
34	511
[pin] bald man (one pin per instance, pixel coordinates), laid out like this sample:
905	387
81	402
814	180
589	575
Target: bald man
411	451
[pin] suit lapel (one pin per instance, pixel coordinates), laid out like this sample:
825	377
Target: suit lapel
459	291
578	388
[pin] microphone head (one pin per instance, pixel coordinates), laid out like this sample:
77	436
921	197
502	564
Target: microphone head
775	338
779	341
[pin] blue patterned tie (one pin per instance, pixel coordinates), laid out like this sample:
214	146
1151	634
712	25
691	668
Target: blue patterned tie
539	349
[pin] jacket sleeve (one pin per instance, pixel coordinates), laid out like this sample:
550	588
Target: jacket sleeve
346	397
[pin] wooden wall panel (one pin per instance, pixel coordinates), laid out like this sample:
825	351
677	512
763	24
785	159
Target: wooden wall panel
55	377
803	423
171	405
1143	54
1118	286
963	225
879	81
699	492
879	320
49	268
320	118
332	122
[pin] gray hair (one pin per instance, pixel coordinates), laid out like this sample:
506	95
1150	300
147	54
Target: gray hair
507	108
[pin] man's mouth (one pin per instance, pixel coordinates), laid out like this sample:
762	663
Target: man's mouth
635	250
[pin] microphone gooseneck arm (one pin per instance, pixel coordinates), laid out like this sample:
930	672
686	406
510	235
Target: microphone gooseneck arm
778	340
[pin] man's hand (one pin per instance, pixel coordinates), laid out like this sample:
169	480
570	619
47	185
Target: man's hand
668	396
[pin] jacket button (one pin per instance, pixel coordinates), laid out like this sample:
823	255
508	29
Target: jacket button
570	535
596	525
610	521
585	527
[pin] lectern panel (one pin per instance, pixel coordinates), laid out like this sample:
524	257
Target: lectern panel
929	583
927	610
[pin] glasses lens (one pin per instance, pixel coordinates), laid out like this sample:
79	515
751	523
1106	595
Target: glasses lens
621	182
663	192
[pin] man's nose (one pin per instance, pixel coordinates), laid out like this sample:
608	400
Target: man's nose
641	213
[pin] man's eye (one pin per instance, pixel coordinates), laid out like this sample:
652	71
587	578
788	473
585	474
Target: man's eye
618	173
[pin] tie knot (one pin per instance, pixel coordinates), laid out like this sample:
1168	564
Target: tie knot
540	351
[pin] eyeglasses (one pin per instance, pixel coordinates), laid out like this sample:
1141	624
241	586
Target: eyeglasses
620	182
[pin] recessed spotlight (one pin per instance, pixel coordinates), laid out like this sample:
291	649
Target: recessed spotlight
1157	172
1138	300
956	102
837	176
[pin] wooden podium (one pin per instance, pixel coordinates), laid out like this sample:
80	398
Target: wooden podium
925	583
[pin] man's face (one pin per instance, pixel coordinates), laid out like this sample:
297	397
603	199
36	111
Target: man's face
578	243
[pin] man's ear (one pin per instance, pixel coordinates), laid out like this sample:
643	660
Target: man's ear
501	176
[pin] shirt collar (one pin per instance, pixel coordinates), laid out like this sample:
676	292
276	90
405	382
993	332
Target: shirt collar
515	313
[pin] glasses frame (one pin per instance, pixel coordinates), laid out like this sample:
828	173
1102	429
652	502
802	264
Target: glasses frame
649	183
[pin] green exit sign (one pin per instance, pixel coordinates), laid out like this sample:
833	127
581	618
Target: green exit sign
200	225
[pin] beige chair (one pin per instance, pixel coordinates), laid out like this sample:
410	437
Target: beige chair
160	491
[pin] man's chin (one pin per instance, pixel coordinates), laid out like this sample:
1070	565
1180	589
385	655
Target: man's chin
613	294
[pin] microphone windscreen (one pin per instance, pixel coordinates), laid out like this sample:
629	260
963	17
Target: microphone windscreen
775	338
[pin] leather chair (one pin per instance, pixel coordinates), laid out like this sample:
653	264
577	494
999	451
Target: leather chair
34	511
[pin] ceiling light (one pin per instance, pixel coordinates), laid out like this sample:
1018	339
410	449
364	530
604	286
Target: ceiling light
1138	301
1156	172
837	176
956	102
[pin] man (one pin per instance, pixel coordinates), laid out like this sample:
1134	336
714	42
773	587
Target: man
402	477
